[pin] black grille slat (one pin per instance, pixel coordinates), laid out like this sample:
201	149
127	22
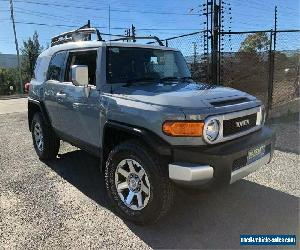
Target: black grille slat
230	126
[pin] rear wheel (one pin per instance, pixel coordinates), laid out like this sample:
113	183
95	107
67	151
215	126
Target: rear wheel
137	184
46	143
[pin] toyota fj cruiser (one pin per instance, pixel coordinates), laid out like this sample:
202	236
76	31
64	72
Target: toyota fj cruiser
138	110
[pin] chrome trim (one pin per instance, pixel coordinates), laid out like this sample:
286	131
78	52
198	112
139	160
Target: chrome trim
230	116
248	169
188	172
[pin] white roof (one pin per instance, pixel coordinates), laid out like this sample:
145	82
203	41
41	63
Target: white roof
95	44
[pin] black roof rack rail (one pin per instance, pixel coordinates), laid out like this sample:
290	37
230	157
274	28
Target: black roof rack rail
133	38
81	34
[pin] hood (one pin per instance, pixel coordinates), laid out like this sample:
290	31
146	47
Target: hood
184	95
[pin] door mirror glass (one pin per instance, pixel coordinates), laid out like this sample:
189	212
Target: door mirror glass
80	75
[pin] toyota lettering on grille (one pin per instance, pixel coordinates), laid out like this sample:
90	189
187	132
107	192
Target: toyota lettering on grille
243	123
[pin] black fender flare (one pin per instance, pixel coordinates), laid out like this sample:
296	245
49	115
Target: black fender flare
158	144
41	107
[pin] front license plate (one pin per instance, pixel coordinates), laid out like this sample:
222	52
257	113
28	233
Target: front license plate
255	153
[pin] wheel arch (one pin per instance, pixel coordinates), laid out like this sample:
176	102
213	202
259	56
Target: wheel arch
116	132
36	106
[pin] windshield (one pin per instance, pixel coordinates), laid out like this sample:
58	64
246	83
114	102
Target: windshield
126	65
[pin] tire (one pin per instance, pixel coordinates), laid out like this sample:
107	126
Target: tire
159	197
50	143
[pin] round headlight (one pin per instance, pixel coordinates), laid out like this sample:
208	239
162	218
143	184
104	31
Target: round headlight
212	130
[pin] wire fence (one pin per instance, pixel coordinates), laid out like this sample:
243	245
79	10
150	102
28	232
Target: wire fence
248	62
194	48
244	66
286	67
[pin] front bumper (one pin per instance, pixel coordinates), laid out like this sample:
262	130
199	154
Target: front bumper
220	164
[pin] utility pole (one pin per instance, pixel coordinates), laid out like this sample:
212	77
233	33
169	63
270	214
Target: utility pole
195	53
195	58
271	63
133	33
16	43
275	27
215	40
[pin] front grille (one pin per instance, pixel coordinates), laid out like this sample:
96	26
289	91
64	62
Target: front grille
239	124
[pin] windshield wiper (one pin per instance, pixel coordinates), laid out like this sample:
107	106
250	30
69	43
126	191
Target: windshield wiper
129	82
170	78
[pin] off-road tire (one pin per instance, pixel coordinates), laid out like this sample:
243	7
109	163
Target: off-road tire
51	142
161	191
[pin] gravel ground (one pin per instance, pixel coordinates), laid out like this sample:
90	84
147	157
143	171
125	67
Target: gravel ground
62	204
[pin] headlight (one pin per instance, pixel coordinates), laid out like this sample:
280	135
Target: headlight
211	130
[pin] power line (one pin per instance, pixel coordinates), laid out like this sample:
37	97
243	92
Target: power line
102	27
103	9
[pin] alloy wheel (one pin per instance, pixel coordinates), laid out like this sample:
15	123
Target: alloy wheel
132	184
38	136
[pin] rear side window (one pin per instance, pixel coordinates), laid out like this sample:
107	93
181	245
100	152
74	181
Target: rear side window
56	66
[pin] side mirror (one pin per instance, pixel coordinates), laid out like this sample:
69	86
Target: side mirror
80	75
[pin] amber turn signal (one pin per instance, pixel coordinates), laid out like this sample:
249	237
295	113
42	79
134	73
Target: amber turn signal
183	128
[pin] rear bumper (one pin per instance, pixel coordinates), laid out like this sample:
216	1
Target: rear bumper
221	164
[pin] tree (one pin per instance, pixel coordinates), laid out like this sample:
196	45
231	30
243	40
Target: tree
8	77
30	52
257	42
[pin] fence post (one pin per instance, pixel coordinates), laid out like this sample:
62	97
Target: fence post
271	75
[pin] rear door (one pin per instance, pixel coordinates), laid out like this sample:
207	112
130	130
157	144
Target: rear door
53	95
81	120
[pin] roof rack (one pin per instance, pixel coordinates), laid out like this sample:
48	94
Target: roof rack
81	34
84	34
133	38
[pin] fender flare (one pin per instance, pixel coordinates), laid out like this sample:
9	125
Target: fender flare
42	109
158	144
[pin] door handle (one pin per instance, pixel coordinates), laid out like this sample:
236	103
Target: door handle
60	95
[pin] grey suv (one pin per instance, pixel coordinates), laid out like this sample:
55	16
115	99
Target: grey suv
138	110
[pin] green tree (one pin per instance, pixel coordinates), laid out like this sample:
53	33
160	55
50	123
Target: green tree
257	42
30	52
8	77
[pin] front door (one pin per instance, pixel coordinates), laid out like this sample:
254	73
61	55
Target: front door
81	121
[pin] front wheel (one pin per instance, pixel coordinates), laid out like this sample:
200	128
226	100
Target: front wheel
137	183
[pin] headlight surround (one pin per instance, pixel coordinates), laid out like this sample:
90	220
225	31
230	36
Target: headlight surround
261	116
212	130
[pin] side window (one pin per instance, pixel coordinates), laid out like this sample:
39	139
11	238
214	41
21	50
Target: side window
87	58
56	66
